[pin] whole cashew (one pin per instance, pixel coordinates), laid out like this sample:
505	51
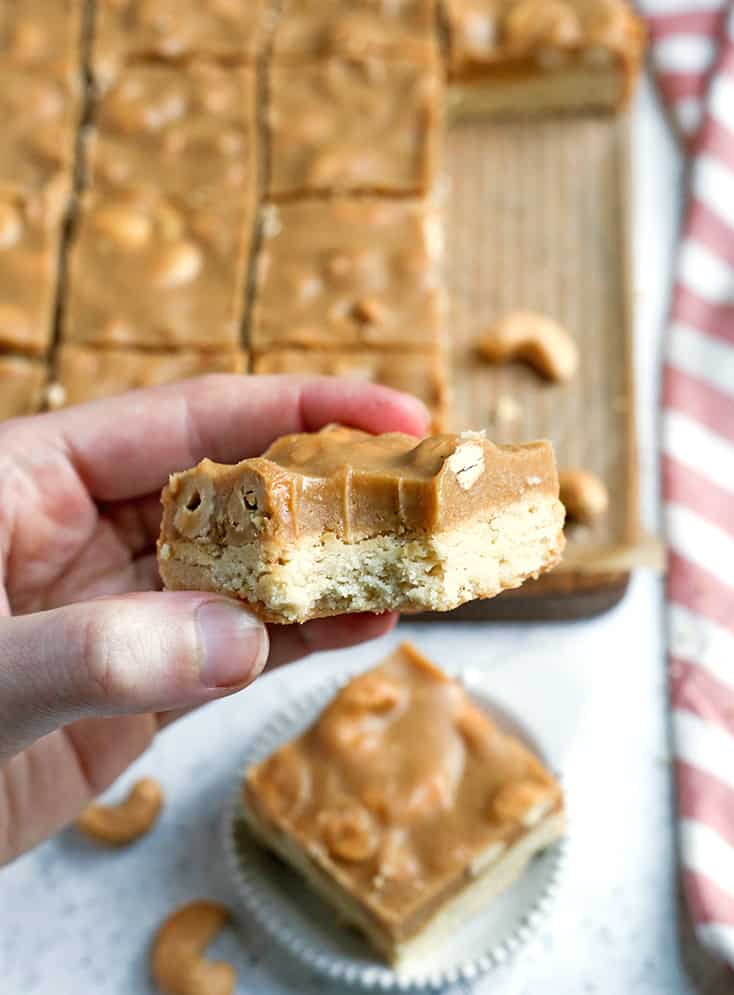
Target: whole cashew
177	964
583	494
538	340
117	825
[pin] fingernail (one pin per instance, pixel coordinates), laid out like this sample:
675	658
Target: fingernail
234	644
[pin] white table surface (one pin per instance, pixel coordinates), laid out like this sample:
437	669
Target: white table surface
74	919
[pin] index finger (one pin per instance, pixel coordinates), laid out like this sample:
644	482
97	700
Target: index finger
127	446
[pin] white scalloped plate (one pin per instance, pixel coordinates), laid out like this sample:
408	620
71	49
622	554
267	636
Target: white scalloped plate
305	926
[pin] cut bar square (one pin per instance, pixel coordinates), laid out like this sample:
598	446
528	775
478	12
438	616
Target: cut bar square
30	238
176	30
308	28
21	386
187	131
348	273
84	374
341	521
40	111
341	125
404	806
509	56
41	34
148	272
422	374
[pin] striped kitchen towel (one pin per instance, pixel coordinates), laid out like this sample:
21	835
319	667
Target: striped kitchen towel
692	50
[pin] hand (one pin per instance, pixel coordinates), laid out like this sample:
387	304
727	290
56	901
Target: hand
90	665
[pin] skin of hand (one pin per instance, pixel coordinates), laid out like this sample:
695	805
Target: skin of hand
94	657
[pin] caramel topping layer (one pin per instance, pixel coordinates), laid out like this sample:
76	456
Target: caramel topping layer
496	31
41	33
87	374
353	27
366	125
149	272
186	131
126	30
21	385
418	373
40	110
354	485
342	273
399	787
30	232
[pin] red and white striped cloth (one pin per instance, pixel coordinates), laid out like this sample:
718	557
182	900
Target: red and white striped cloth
693	53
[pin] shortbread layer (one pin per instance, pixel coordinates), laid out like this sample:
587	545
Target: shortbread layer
323	575
571	88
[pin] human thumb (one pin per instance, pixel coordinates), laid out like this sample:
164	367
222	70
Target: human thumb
135	653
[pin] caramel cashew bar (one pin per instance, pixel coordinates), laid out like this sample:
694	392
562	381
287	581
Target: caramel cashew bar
345	125
535	56
341	521
149	272
187	131
346	272
406	844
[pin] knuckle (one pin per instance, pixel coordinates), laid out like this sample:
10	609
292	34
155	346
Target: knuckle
97	640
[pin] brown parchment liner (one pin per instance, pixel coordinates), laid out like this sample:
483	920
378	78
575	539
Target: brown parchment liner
536	217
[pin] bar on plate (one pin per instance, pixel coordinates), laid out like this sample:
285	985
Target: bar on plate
404	806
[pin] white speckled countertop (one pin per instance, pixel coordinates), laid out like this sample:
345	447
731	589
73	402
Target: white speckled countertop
74	919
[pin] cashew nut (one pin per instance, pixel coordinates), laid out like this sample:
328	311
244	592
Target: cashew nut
117	825
177	964
583	494
538	340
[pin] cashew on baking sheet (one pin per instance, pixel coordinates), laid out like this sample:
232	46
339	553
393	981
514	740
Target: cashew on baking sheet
584	496
533	338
